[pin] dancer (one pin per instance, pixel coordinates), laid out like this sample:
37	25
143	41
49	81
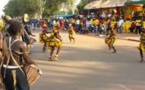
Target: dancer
44	38
55	41
142	45
111	39
71	33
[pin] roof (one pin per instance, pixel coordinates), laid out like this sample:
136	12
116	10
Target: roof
93	5
105	4
112	3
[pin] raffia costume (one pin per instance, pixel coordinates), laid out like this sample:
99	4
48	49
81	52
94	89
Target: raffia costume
71	32
142	43
54	41
111	39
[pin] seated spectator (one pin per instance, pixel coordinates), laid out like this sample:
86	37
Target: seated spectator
84	30
132	27
102	28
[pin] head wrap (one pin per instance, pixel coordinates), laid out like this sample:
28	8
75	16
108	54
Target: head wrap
7	18
26	18
44	26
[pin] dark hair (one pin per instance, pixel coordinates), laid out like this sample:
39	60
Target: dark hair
14	27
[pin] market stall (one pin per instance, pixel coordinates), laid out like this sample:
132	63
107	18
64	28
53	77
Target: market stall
115	5
64	15
132	9
129	11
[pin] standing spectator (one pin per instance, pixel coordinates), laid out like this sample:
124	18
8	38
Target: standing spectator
138	25
120	23
62	24
78	24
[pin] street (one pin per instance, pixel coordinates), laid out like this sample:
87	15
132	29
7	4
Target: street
89	65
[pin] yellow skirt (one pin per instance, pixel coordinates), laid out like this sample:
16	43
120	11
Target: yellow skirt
110	41
55	43
71	35
142	47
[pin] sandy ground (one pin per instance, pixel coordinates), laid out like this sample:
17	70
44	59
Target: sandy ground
89	65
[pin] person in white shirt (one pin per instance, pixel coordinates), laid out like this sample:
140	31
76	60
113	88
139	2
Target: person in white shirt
120	23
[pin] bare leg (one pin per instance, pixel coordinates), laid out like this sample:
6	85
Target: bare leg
114	49
51	53
70	39
58	50
109	47
73	39
44	47
57	53
141	54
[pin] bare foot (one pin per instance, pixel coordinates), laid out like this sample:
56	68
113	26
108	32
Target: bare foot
114	52
56	58
141	60
50	58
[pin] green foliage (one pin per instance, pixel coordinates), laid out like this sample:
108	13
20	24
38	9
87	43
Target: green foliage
32	7
83	3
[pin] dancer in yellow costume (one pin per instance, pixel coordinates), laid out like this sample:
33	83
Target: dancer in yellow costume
44	39
110	40
55	41
142	45
71	33
56	26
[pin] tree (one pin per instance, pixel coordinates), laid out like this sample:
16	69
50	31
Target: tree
11	9
35	7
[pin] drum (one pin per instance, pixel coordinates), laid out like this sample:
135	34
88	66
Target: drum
32	40
32	73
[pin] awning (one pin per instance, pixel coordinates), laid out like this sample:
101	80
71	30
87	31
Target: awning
112	3
93	5
65	15
107	3
135	2
120	3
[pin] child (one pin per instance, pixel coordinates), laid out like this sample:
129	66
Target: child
111	39
71	33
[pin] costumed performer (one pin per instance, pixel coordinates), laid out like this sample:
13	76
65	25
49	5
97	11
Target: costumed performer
71	33
55	41
110	40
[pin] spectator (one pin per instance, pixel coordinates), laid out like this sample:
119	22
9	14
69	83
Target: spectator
120	23
132	27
